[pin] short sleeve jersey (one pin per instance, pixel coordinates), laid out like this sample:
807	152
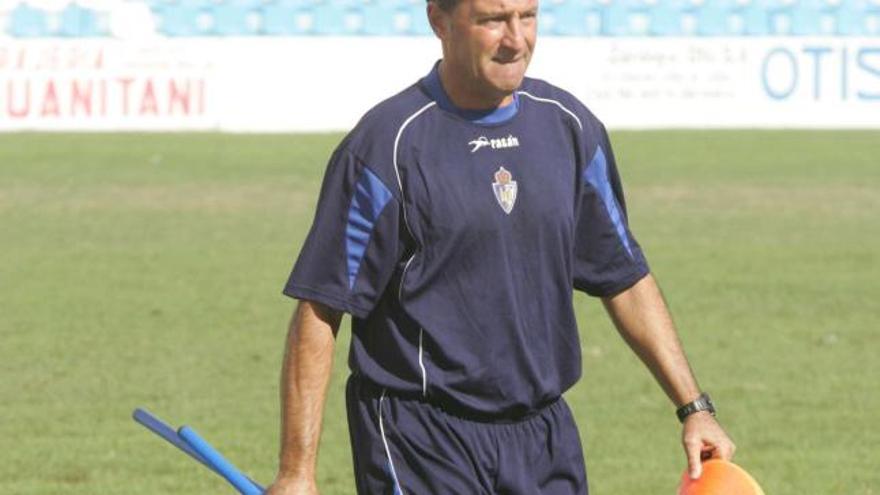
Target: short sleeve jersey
455	239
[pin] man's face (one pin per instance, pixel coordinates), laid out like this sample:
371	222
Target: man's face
487	44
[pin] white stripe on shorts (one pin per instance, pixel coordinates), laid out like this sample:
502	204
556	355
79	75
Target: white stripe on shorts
397	488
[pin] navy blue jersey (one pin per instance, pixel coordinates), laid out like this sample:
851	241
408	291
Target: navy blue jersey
455	240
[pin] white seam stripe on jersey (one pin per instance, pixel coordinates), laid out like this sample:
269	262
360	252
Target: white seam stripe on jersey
422	364
400	287
560	105
397	142
387	450
402	194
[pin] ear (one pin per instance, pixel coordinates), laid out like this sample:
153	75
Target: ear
439	20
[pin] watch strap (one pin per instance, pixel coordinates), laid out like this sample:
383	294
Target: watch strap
701	403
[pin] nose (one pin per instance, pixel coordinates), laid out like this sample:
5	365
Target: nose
514	35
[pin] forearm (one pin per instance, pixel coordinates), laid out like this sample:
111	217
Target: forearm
305	375
643	320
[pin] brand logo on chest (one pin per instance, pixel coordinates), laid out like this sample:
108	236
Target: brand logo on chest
481	142
504	188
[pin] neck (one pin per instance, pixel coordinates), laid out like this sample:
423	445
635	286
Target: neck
464	96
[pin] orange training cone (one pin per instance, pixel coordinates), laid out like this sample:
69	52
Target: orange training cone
720	478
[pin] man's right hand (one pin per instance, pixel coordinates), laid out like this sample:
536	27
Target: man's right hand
292	486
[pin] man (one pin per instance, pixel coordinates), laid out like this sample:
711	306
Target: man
453	223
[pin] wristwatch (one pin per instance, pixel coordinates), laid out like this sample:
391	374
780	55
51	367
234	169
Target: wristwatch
701	403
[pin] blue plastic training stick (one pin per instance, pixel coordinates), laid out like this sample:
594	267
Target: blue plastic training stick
218	463
160	428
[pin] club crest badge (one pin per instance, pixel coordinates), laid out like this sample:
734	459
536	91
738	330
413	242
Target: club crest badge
505	189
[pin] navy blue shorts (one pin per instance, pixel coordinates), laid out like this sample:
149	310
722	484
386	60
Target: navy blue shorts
405	446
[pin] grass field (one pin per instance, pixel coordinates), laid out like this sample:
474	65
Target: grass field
147	270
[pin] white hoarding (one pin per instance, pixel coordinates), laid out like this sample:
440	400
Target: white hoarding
721	82
318	84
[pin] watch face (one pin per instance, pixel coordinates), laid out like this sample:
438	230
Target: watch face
708	404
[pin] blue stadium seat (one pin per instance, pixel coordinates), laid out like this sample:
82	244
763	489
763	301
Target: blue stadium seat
237	18
813	17
850	18
336	17
185	18
411	19
547	16
671	18
625	18
720	18
28	22
872	18
575	18
859	18
780	14
78	22
756	19
287	17
418	19
383	18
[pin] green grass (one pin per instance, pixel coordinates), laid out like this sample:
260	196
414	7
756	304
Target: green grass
147	269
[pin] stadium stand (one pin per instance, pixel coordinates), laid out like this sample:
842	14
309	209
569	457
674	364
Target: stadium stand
195	18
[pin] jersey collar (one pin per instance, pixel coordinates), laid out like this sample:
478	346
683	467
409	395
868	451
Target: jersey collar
435	90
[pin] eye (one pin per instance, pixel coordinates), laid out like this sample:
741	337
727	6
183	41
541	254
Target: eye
492	20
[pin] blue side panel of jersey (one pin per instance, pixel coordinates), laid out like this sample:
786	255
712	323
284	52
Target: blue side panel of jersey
596	174
367	203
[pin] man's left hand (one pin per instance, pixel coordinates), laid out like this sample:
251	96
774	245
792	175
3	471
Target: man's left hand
703	438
